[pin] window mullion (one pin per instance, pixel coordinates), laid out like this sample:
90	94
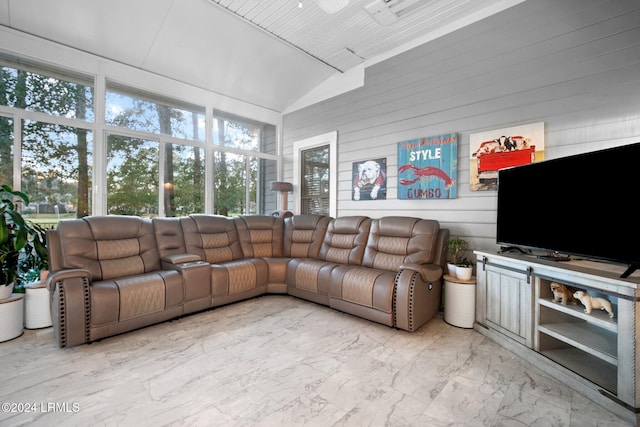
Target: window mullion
17	152
99	195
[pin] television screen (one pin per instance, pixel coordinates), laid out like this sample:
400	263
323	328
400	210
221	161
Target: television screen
581	205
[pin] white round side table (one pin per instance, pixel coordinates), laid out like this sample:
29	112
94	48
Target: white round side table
37	310
459	301
11	317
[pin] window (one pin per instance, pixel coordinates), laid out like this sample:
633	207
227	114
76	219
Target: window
230	193
132	176
315	165
184	180
244	166
55	155
235	134
315	181
144	114
266	199
151	156
46	92
6	151
56	171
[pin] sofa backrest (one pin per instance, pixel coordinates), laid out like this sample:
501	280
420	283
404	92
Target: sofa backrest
107	246
394	241
260	235
214	238
303	235
345	240
169	236
115	246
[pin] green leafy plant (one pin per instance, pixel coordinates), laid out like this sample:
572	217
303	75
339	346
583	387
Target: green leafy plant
465	262
457	248
23	245
35	257
14	234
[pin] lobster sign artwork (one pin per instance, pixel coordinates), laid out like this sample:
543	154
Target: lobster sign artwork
428	167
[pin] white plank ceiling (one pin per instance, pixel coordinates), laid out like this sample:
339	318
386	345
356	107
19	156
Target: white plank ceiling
268	53
352	34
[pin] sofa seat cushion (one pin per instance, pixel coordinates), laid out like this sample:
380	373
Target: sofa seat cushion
310	275
236	277
368	287
140	295
130	297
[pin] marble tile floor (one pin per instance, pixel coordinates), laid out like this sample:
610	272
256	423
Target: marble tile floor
281	361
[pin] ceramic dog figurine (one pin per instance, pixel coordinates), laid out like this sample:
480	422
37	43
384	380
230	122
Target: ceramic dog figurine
562	293
590	302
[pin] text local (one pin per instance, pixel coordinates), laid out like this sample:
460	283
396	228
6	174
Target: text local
432	153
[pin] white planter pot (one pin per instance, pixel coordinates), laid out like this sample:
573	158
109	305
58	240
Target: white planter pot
37	311
464	273
452	269
5	291
459	303
11	317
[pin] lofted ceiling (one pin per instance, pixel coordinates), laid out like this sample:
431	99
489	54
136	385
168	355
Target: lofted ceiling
269	53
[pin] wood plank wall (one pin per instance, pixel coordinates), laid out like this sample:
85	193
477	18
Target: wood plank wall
572	64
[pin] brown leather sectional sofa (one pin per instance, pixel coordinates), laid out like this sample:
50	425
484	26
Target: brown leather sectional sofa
113	274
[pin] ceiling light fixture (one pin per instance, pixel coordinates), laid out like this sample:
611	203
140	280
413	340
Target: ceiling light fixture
299	4
332	6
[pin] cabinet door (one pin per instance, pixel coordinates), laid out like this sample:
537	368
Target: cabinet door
509	304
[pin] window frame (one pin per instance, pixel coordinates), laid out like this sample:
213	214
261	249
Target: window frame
330	139
101	83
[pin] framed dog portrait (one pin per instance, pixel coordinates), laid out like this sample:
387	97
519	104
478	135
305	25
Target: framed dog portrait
369	180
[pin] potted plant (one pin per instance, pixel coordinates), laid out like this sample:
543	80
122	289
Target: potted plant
461	267
464	269
457	248
34	265
14	233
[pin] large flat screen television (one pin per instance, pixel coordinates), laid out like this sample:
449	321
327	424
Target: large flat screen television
581	205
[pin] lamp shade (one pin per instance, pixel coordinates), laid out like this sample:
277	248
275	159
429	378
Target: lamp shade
281	186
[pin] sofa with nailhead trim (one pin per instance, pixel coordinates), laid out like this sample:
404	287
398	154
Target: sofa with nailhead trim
113	274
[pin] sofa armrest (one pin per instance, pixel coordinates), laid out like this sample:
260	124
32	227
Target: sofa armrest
60	276
417	295
70	306
428	272
180	258
196	277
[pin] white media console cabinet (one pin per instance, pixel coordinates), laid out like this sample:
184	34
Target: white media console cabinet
591	353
